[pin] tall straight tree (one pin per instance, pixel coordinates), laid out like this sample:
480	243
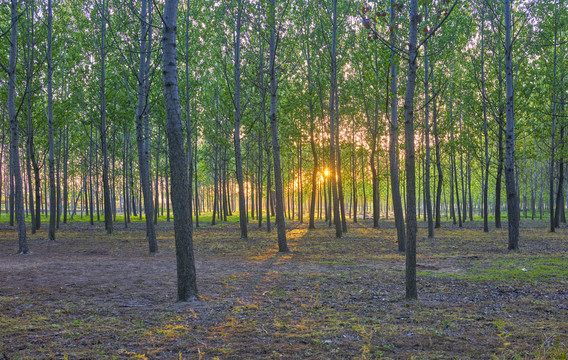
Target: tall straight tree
14	136
52	201
427	194
29	54
280	223
553	135
103	130
188	115
512	198
485	132
308	58
411	224
332	119
186	277
238	116
141	116
393	141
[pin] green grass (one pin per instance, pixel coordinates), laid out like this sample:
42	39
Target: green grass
526	269
203	218
520	268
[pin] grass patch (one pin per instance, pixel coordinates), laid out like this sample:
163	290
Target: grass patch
519	269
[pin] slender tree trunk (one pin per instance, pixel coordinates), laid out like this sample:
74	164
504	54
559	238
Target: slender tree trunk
216	164
364	193
512	197
300	186
29	170
12	194
237	132
188	123
125	191
280	224
226	203
156	185
340	182
499	178
141	113
457	189
469	187
427	196
312	138
411	225
260	177
438	167
463	189
196	187
268	186
394	168
37	190
58	182
30	158
14	136
103	130
187	286
52	200
332	117
216	188
65	171
353	182
551	174
560	188
113	176
485	132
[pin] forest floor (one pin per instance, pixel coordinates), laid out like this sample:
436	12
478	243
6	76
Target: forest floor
94	296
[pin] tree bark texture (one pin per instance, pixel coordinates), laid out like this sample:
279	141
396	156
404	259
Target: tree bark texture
187	286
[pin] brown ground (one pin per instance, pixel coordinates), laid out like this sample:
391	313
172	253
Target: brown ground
93	296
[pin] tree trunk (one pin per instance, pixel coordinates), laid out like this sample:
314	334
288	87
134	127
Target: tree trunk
58	182
14	136
156	185
438	167
125	192
411	225
196	187
268	186
354	183
427	196
485	132
300	187
332	117
188	121
103	130
552	140
141	113
469	187
340	181
499	178
280	224
312	138
52	200
30	158
393	134
457	189
364	193
560	188
187	286
512	198
65	172
237	132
